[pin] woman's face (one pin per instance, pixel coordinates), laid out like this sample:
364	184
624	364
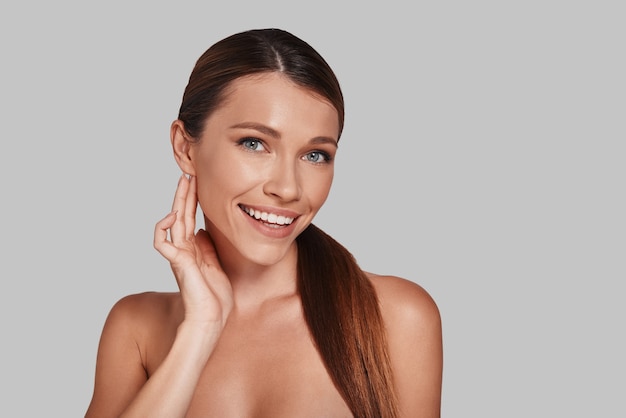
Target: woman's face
264	165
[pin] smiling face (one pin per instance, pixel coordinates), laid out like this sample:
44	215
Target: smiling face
264	165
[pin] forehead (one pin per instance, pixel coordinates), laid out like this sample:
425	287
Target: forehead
261	82
274	99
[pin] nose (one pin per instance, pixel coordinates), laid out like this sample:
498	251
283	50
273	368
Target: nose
283	180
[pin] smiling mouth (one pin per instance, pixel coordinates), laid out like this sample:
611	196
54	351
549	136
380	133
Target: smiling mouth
270	219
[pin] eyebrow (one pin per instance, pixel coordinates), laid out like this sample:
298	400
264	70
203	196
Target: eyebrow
274	133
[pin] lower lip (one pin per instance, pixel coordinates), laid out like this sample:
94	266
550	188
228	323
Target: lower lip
281	231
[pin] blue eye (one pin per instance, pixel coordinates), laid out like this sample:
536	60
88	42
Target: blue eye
318	157
252	144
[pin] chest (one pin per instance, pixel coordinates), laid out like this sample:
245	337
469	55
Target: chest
257	382
266	367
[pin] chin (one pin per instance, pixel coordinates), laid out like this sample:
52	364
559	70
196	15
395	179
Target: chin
269	255
251	247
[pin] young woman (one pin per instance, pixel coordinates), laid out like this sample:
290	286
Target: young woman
273	318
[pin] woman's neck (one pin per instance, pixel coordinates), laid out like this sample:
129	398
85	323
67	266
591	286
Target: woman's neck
254	283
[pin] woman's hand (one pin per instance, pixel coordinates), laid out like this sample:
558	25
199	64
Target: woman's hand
205	288
122	387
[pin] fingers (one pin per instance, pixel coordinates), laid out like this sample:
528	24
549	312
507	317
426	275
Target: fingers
177	229
180	222
161	243
185	203
191	203
214	275
206	248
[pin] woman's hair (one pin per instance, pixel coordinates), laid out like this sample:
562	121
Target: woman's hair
339	302
248	53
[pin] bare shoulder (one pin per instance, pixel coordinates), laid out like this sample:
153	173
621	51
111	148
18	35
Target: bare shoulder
404	302
413	324
144	315
135	336
145	306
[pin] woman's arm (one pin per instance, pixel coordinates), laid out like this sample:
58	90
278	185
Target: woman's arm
122	388
170	389
120	372
122	383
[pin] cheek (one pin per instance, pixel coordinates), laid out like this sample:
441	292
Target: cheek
210	185
319	189
219	182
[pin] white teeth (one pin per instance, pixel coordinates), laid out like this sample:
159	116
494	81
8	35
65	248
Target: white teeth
271	218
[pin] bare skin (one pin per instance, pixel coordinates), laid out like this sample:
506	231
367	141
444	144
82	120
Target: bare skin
233	342
265	364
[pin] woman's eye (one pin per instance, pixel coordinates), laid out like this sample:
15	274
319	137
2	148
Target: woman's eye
252	144
317	157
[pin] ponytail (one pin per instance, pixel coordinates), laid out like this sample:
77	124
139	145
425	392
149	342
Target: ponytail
342	312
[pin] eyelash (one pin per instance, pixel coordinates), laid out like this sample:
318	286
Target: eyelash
242	142
245	142
325	155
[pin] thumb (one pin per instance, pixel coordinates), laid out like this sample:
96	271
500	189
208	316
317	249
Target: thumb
206	248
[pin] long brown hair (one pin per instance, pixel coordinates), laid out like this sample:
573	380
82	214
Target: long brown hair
339	302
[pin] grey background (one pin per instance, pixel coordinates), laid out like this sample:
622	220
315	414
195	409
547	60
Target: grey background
483	158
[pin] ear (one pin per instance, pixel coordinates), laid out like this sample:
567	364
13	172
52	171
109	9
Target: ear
181	146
